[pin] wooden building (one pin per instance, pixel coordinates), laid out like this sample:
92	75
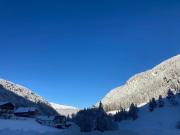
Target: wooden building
26	111
6	107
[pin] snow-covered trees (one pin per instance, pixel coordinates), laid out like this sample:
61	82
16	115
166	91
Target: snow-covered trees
94	119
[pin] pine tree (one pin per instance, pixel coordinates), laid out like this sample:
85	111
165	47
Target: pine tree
170	94
121	115
118	116
104	122
171	97
101	106
154	102
133	112
160	101
124	114
94	119
151	106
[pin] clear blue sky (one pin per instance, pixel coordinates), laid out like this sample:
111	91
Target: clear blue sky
74	52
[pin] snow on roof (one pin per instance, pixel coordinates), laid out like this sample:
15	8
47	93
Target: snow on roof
25	109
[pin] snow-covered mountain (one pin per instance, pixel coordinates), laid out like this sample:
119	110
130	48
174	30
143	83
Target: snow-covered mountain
146	85
64	110
22	96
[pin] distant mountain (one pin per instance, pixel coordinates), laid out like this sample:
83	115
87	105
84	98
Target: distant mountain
64	110
146	85
22	96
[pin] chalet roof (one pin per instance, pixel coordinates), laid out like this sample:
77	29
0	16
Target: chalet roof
6	102
25	109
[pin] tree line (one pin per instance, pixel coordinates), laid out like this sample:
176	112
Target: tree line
96	118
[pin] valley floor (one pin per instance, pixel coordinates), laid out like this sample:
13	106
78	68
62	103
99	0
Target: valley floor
24	127
162	121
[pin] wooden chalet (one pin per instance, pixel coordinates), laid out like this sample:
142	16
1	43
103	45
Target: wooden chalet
26	111
6	107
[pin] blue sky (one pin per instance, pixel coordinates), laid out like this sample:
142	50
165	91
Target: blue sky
74	52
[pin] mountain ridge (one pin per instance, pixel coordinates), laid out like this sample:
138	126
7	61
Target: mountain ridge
142	87
22	96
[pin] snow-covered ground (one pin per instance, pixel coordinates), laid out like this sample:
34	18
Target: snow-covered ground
30	127
162	121
25	127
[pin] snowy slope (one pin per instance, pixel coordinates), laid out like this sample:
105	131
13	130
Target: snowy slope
162	121
159	122
25	127
142	87
22	96
64	110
